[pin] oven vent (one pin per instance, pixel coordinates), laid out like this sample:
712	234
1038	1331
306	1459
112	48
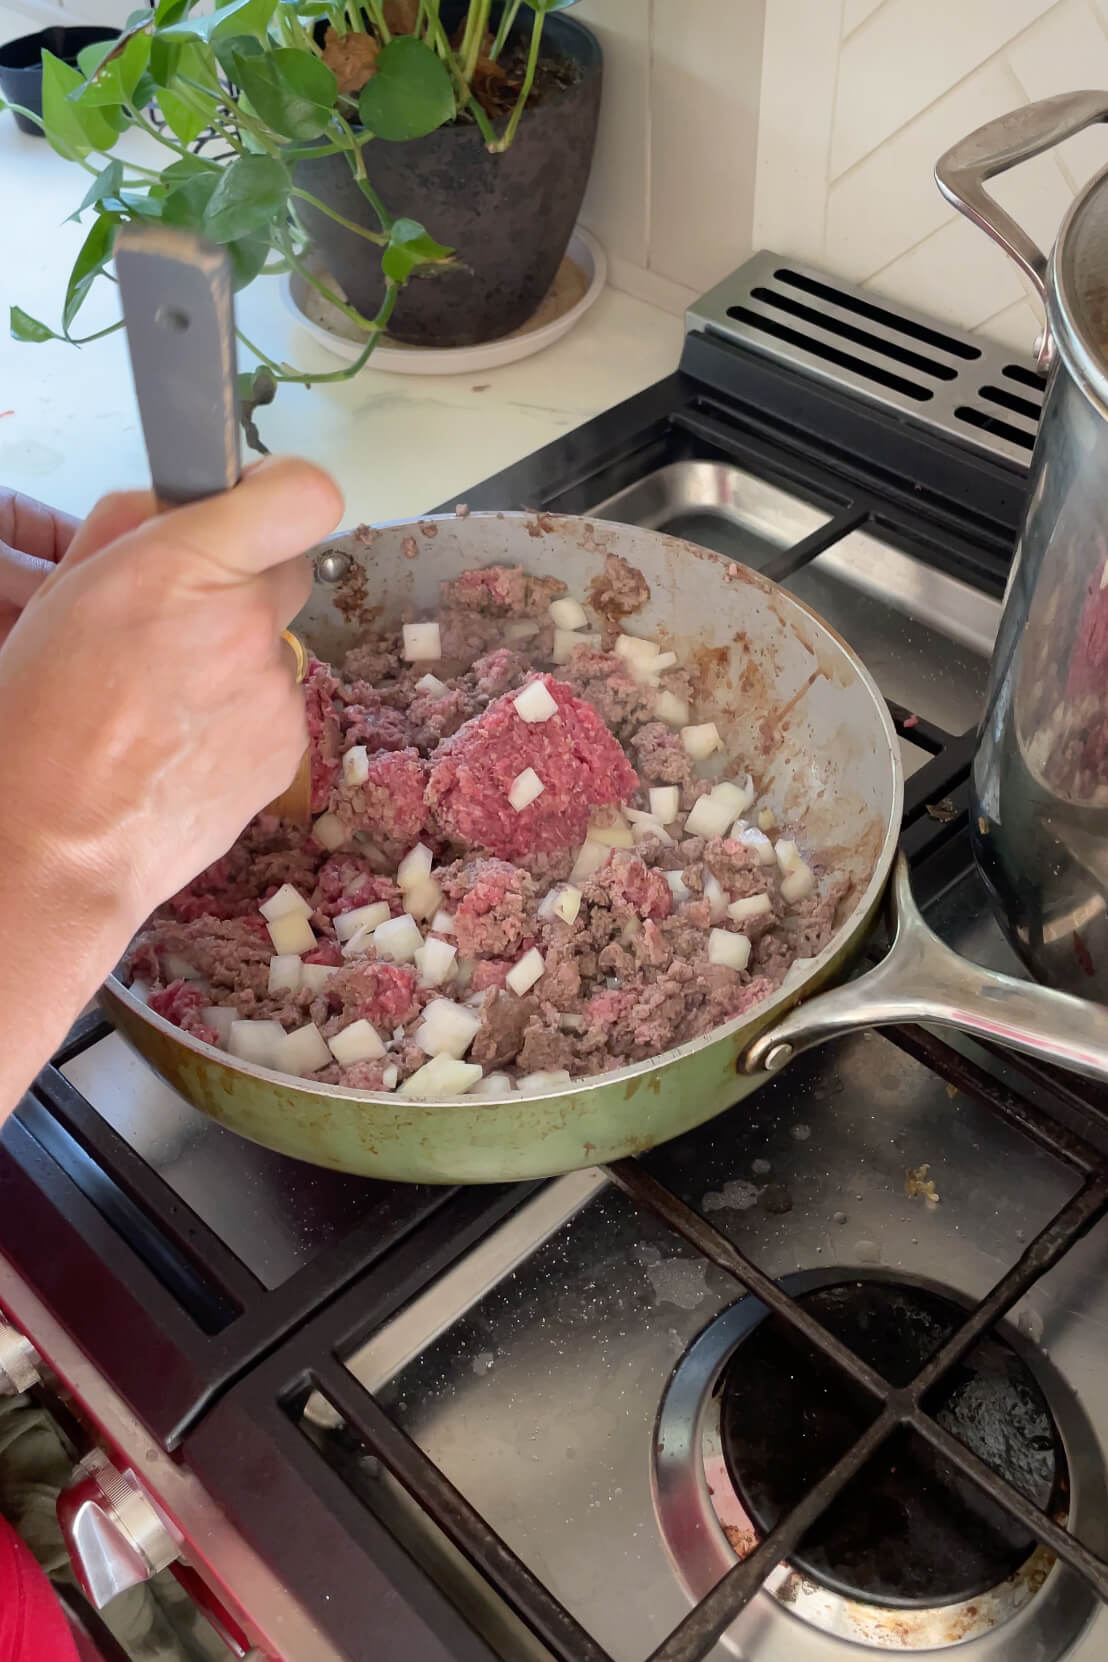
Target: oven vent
961	385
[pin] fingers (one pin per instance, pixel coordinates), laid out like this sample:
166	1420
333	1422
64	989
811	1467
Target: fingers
20	575
278	509
114	516
32	528
289	586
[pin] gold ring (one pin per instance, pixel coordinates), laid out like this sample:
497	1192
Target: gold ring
299	652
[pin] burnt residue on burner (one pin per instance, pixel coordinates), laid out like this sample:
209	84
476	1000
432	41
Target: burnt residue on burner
908	1532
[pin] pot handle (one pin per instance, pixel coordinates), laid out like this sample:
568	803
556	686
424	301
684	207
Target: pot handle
961	173
921	979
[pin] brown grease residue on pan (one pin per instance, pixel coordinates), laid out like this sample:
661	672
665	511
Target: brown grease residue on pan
350	597
542	525
776	722
428	528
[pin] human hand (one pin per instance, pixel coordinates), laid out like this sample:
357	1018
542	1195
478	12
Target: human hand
148	707
33	539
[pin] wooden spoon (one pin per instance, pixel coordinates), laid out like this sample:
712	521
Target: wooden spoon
178	312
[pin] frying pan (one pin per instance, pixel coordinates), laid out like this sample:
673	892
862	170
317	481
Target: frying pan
796	703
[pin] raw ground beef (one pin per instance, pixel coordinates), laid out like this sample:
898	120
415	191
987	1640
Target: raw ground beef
628	978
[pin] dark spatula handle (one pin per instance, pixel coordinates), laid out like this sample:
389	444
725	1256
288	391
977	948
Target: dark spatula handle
179	316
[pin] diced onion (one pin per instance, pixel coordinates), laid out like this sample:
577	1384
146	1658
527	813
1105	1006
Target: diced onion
568	614
526	971
218	1017
285	973
678	887
291	933
329	832
256	1041
798	885
389	1076
716	898
635	650
287	902
355	766
447	1029
398	938
442	923
435	961
304	1051
708	817
738	795
701	740
590	857
360	1042
360	941
672	710
788	855
524	789
441	1076
423	899
665	802
563	901
757	840
727	947
422	642
751	906
316	976
178	968
414	867
612	830
546	1080
535	703
521	629
664	661
348	923
644	829
766	819
494	1085
430	684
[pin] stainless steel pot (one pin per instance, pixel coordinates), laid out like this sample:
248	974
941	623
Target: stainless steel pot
1040	777
789	694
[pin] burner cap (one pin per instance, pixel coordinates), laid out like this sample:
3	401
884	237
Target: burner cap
908	1531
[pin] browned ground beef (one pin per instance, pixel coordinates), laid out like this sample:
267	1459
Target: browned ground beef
628	978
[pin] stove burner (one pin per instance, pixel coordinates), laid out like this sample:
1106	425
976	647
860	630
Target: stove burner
909	1532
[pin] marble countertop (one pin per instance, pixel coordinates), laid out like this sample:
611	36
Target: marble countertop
397	444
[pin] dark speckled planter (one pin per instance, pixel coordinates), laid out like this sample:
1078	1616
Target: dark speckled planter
507	217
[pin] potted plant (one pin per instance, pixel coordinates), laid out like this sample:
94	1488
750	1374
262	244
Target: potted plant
288	123
21	66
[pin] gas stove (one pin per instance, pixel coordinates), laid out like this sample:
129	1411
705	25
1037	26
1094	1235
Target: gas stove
822	1378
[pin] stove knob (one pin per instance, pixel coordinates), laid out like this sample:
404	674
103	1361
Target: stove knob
114	1536
19	1362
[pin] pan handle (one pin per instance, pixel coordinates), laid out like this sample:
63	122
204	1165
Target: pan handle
921	979
1013	138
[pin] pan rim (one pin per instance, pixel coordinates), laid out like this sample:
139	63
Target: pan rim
758	1018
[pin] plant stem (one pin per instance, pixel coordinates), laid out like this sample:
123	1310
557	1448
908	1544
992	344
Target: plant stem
507	18
329	295
354	17
378	237
502	143
83	340
148	127
477	20
377	13
384	312
357	167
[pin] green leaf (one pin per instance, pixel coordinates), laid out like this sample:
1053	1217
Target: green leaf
293	92
545	6
187	167
252	191
190	112
145	90
410	94
72	130
26	328
241	17
409	246
165	57
113	69
95	252
106	183
248	255
187	204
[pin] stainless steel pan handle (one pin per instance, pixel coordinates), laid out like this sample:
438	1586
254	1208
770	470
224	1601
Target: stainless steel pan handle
961	173
920	979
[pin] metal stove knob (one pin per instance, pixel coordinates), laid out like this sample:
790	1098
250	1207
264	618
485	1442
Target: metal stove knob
114	1536
19	1362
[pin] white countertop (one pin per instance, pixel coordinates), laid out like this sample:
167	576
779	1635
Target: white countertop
397	444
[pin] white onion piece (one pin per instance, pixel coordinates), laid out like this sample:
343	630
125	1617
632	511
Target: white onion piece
287	902
521	629
348	923
524	789
534	703
422	642
355	766
563	901
635	650
726	947
414	867
441	1076
464	977
546	1080
494	1085
291	933
672	710
442	923
612	830
329	832
708	817
435	961
738	795
701	740
643	830
316	976
678	887
177	968
564	642
664	661
256	1041
430	684
423	899
568	614
304	1051
218	1017
446	1029
665	802
716	897
285	973
360	941
398	938
360	1042
798	885
640	816
751	906
751	837
590	857
766	819
526	971
389	1077
787	854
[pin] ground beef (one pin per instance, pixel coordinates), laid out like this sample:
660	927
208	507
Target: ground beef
574	755
603	681
494	915
499	671
660	756
501	592
324	730
374	660
380	728
433	716
383	994
619	591
504	1018
346	881
388	807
